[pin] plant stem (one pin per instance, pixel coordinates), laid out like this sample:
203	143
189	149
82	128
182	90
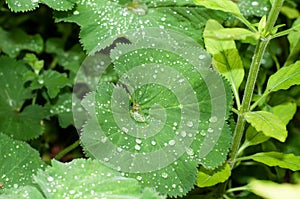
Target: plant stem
67	150
250	84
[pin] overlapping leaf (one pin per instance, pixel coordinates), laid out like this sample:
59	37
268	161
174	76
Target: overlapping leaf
88	178
102	22
18	163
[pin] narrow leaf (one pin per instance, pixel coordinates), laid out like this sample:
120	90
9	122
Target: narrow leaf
286	161
208	178
294	40
268	123
271	190
284	78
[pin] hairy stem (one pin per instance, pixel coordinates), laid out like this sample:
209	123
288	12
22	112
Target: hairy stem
250	84
67	150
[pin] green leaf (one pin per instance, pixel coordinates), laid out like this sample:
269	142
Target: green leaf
291	13
90	179
150	120
62	5
70	59
226	58
272	190
26	192
285	112
208	178
286	161
63	109
284	78
53	81
12	92
294	40
22	5
116	19
18	163
27	5
242	34
225	6
268	123
256	8
25	125
254	137
16	40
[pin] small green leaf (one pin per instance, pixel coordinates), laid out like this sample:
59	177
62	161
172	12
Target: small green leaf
54	81
226	58
18	163
24	192
224	5
88	178
284	78
12	91
22	5
25	125
63	109
208	178
272	190
285	112
286	161
16	40
242	34
268	123
33	61
254	137
291	13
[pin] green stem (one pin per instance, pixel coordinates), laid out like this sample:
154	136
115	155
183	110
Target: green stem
67	150
250	84
238	189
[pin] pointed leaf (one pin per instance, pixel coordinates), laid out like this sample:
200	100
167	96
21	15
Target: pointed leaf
294	40
208	178
268	123
286	161
284	78
18	163
87	178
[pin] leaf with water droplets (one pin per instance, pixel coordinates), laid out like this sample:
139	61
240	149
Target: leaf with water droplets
16	40
26	192
27	5
149	123
103	21
256	8
18	163
15	120
87	178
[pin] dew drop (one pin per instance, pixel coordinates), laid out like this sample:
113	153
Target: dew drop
190	124
172	142
153	143
137	147
164	175
213	119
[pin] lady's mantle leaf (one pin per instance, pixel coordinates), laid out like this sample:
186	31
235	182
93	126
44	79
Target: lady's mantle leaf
26	192
103	21
90	179
268	123
18	163
271	190
26	5
12	42
286	161
284	78
208	178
